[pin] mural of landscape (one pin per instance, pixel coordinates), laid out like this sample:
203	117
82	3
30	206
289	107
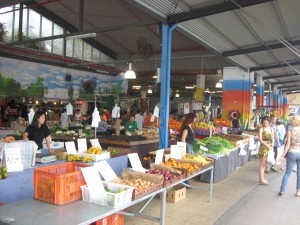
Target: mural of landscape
27	79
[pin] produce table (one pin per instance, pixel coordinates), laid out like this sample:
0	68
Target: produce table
19	185
140	147
35	212
226	164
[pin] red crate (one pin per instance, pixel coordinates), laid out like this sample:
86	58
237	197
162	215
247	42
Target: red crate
114	219
59	184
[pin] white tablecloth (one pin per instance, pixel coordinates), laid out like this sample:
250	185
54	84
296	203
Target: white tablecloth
28	151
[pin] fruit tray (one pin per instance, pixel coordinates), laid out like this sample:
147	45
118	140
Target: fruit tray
120	195
97	157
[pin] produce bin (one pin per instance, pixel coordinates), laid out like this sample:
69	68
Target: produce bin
120	195
59	184
176	193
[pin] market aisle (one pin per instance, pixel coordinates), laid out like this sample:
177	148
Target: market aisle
237	200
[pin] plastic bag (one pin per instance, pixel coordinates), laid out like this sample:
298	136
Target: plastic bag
270	158
280	151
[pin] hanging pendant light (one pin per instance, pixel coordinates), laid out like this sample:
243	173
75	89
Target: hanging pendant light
219	85
149	91
130	74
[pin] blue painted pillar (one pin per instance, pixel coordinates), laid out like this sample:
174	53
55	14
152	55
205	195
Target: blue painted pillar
165	70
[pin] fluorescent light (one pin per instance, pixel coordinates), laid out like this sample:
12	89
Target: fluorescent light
155	76
219	85
102	71
149	91
82	36
129	73
136	87
189	87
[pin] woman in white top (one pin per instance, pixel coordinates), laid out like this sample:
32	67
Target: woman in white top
292	153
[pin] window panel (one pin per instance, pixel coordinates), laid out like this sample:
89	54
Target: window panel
34	25
87	54
78	43
6	19
46	27
69	48
96	55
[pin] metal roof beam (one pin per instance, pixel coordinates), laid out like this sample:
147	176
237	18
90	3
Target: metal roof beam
294	92
260	48
285	82
289	87
280	76
274	66
213	9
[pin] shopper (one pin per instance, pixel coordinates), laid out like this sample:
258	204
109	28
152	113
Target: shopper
131	125
275	141
139	119
292	153
102	126
235	123
78	118
187	133
37	131
266	139
64	118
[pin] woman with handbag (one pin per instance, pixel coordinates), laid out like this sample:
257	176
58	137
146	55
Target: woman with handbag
266	139
292	153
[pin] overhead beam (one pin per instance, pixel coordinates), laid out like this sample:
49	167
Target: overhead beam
274	66
11	2
212	10
294	92
260	48
289	87
279	76
285	82
292	89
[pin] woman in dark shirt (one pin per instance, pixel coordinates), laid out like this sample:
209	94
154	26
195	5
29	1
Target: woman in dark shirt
187	133
37	131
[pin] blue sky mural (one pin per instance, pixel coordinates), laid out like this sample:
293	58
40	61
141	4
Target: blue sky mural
54	79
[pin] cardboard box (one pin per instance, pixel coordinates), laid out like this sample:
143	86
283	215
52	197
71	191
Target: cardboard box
176	193
61	154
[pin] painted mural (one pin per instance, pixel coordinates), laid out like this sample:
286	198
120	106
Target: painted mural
33	80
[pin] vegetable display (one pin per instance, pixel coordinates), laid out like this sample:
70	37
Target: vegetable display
217	145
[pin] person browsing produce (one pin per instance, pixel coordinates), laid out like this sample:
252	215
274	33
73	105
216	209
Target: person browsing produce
187	133
131	124
37	131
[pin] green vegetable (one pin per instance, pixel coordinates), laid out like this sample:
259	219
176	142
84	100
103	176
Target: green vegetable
217	145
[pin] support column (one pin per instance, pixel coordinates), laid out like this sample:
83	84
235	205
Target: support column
275	100
259	92
237	93
165	84
200	87
285	106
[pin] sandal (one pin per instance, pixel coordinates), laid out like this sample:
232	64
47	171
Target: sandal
297	194
266	183
280	193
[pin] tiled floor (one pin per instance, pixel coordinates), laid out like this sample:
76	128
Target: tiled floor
237	200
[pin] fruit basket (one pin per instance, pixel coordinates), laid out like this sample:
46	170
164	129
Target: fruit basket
143	183
59	184
116	195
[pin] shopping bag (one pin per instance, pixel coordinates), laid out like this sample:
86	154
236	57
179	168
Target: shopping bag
280	151
270	158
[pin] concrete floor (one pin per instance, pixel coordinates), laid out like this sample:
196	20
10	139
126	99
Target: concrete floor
237	200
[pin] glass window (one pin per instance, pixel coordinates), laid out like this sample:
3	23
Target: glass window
58	43
87	54
69	48
96	55
6	24
34	24
78	44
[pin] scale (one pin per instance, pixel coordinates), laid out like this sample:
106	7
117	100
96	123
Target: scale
45	158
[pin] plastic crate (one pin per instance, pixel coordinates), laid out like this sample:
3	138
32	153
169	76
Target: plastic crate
113	199
114	219
59	184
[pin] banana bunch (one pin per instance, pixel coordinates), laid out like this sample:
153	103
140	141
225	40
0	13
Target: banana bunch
73	157
86	159
197	158
94	150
